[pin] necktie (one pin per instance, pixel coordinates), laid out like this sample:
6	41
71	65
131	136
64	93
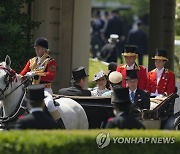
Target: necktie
132	96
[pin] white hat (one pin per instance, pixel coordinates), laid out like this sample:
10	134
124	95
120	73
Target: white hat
113	38
115	77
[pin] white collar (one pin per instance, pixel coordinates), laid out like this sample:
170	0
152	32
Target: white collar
160	71
130	67
132	91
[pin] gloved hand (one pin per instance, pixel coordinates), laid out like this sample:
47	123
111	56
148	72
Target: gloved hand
30	74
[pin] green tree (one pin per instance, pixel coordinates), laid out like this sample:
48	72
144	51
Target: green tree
177	18
15	32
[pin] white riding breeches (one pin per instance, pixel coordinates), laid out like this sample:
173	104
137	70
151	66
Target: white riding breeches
49	100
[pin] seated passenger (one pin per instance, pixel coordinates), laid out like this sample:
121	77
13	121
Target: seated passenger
122	107
101	81
115	79
139	98
161	81
79	78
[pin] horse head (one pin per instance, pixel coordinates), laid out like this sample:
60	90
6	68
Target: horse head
11	89
8	78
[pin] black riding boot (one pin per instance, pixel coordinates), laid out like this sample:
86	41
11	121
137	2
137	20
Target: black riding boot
61	123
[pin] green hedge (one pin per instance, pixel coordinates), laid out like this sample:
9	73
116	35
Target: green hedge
58	141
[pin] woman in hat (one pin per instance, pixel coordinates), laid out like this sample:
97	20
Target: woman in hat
101	80
161	81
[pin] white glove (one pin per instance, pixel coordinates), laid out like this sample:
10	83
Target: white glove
30	74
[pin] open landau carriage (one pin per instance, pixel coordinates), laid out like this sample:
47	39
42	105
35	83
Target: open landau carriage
79	112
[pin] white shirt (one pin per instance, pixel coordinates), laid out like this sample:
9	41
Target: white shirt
130	67
98	92
130	94
158	77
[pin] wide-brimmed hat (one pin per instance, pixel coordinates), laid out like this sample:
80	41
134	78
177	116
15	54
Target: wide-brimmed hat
131	74
130	50
41	41
115	77
113	38
78	73
160	55
35	92
120	95
99	75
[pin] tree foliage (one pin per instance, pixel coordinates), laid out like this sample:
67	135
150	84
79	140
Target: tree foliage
177	18
15	31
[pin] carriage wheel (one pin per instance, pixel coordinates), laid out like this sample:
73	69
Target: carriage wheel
173	123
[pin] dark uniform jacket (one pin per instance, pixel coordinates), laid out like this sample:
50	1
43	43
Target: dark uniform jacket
76	90
142	99
36	120
124	121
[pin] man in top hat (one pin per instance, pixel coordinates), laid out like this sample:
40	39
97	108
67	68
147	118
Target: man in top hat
122	106
130	56
139	98
109	50
79	78
42	69
37	119
161	81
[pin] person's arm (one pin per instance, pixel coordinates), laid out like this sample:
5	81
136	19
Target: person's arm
171	84
26	69
50	72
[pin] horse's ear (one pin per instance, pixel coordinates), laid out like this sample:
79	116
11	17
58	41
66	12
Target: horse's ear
8	61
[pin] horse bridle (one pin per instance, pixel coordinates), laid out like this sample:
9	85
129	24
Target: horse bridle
9	77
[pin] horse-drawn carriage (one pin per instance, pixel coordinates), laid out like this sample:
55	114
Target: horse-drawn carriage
99	109
76	112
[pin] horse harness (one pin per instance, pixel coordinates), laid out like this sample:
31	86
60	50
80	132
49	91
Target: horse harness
9	78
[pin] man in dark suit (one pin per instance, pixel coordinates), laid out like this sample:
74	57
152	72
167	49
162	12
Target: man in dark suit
139	98
139	38
79	80
37	119
122	106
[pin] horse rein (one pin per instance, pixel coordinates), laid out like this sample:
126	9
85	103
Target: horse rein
10	74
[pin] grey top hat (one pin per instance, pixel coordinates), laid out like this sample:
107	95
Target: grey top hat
78	73
120	95
35	92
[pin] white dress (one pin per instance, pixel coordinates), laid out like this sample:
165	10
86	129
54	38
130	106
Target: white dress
98	92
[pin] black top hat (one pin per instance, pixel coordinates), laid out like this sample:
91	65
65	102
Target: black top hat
130	50
41	41
131	74
35	92
160	55
120	95
78	73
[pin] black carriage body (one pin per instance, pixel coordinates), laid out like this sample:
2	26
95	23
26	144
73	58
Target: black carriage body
99	109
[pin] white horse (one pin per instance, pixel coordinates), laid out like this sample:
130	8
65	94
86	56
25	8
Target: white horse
12	94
